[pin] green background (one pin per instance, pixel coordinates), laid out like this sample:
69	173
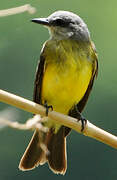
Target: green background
20	45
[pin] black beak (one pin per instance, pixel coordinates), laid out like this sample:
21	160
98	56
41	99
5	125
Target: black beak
42	21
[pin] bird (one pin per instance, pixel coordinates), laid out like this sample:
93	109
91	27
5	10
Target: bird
65	75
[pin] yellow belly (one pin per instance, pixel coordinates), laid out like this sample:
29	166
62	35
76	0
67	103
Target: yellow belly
62	88
65	81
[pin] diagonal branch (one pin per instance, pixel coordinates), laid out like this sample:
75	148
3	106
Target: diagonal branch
90	129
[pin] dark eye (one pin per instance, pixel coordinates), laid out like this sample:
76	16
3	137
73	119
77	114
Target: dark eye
60	22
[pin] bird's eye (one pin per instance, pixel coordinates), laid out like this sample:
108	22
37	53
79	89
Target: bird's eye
60	22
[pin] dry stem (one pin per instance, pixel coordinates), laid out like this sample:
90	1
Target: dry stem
90	129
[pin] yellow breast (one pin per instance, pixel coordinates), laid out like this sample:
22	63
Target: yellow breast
66	77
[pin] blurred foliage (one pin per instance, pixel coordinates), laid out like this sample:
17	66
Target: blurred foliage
20	45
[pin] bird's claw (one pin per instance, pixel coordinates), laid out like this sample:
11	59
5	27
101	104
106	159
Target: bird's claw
48	107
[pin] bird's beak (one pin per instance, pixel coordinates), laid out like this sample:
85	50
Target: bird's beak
43	21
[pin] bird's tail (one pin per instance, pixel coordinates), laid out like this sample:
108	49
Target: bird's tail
56	156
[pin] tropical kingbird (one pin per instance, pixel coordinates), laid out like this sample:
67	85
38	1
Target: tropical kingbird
64	78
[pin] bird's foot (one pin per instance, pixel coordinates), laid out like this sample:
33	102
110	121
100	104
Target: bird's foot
47	107
83	123
82	119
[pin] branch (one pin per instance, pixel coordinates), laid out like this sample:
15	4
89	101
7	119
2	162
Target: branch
17	10
90	129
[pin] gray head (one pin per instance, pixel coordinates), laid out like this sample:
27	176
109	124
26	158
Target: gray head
64	25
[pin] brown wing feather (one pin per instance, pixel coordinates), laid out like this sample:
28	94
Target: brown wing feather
38	81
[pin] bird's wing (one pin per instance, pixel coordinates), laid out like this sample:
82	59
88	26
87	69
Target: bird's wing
38	81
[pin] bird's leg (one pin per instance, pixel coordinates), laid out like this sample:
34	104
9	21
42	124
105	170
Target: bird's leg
74	112
81	118
47	107
83	121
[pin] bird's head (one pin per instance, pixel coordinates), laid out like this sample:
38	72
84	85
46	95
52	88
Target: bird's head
64	25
